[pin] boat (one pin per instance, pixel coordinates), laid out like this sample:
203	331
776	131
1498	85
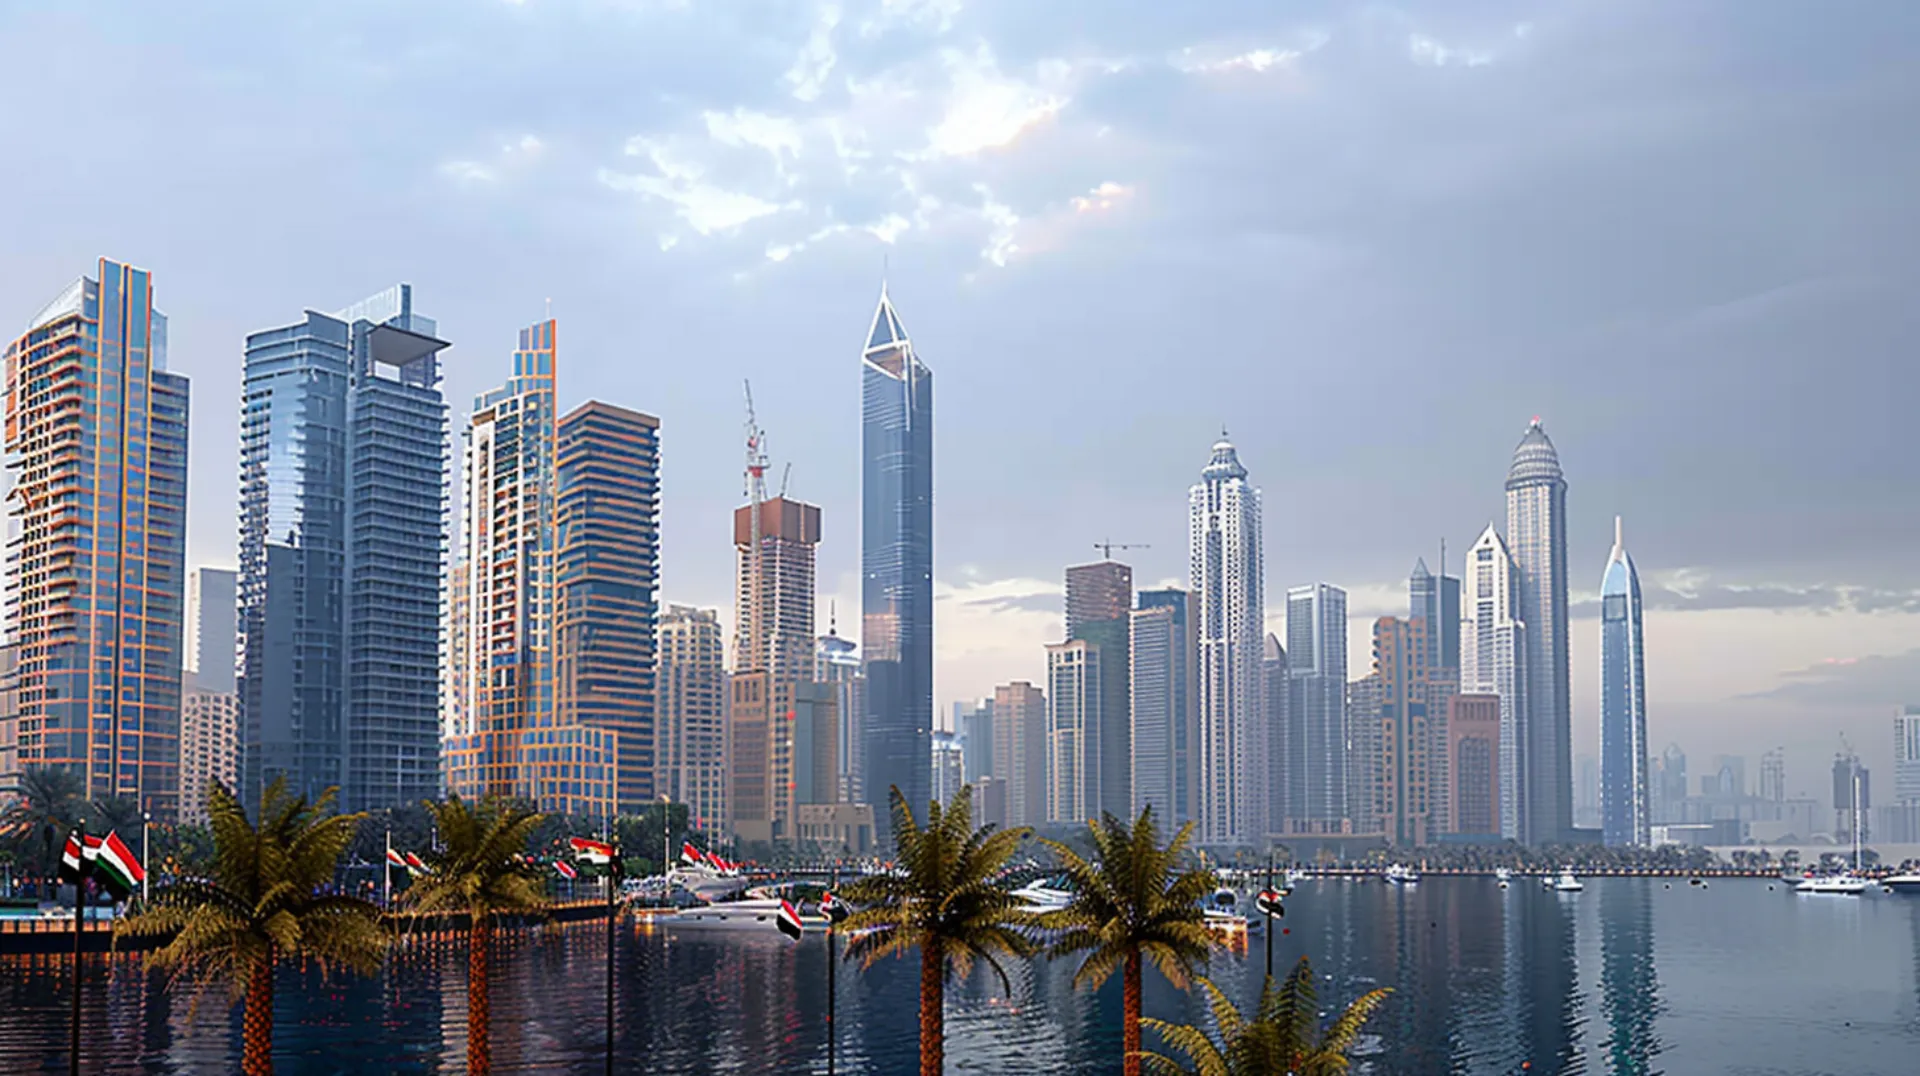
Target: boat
750	912
705	882
1842	883
1399	875
1043	896
1908	882
1566	882
1222	912
1503	877
1295	876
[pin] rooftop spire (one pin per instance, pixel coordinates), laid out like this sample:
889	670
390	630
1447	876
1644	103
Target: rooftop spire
1619	543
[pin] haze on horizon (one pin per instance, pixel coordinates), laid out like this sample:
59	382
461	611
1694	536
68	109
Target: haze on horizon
1372	241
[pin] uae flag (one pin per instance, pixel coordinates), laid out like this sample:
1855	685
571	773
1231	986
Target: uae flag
75	861
117	867
415	865
834	908
597	853
1268	904
395	859
565	869
789	921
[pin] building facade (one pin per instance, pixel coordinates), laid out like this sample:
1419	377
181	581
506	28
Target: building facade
1404	758
1906	756
1626	803
1537	532
1473	765
1493	661
96	447
896	561
216	632
1099	604
975	725
774	658
1315	760
1020	750
1277	674
1165	769
837	662
1226	563
209	748
691	760
949	767
342	534
1074	683
1435	600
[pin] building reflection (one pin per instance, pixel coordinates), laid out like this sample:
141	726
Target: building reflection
1629	988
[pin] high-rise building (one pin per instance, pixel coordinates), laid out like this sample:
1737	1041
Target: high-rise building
1626	798
1402	764
1099	603
1586	791
896	563
1442	686
209	748
837	662
948	767
216	632
975	725
1473	764
1229	611
1537	531
1493	661
1670	784
1906	756
96	455
1316	728
813	715
1852	795
1274	669
1161	700
1435	600
343	532
1364	698
1020	750
1074	682
9	718
692	754
774	656
1729	776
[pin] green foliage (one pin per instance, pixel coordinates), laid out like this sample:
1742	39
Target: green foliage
120	814
1131	897
1280	1037
480	869
412	828
47	795
945	895
185	848
264	898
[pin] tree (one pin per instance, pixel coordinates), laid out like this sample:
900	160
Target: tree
483	873
1130	905
945	899
48	796
263	902
117	814
1280	1036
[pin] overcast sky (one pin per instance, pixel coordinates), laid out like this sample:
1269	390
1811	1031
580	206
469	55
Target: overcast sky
1371	241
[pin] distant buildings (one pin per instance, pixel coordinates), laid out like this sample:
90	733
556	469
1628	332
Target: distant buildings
975	726
1906	755
1074	683
1773	775
209	748
1626	807
896	563
774	661
1165	763
1317	735
1493	649
836	661
1473	765
1537	530
342	529
948	767
1274	670
96	448
1402	762
1229	609
216	632
1435	600
1099	602
1020	750
692	756
1852	795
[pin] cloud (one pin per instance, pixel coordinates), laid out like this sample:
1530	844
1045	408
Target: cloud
512	154
936	16
681	183
1429	52
817	58
1694	590
1888	680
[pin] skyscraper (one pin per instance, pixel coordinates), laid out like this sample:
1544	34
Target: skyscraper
1906	756
1403	761
215	628
1537	529
1493	661
1229	608
1275	689
1626	807
342	535
1074	683
1364	698
837	662
896	562
975	725
96	446
1020	750
209	748
1473	764
773	659
1316	730
1161	700
947	766
1099	602
1435	599
1773	774
692	754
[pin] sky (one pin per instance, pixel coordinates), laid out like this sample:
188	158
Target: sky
1371	241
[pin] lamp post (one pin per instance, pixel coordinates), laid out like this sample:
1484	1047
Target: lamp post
146	820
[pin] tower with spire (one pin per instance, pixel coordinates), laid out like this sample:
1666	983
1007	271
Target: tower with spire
1537	537
896	561
1228	605
1625	798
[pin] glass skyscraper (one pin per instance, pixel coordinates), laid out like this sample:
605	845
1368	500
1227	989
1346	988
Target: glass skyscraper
1316	732
1537	536
1165	766
96	445
343	459
1229	609
1493	661
896	564
1626	811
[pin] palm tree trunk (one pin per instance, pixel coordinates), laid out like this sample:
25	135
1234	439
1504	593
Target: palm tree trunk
479	1015
1130	1014
933	1000
256	1043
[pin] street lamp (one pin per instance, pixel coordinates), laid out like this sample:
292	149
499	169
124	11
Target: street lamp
146	819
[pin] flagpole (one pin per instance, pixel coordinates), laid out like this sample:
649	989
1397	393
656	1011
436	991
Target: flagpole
613	871
832	1032
1268	925
386	872
79	929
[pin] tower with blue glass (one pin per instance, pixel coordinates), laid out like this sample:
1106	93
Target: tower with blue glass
1626	810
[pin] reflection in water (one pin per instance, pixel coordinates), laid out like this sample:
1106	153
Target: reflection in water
1629	988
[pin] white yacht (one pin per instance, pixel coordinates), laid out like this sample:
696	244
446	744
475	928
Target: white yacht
1845	883
1294	877
1043	895
705	882
756	912
1503	877
1566	882
1906	882
1222	911
1400	875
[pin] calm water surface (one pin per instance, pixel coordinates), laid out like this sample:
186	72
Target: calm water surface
1627	977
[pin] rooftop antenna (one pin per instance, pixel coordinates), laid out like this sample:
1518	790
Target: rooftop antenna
549	308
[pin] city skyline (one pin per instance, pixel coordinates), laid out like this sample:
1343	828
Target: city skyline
1770	620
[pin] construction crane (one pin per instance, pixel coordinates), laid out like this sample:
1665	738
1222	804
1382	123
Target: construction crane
1106	548
755	478
785	474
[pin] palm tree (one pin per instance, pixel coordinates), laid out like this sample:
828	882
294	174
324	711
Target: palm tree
263	902
944	898
482	874
1131	905
48	796
1279	1037
121	813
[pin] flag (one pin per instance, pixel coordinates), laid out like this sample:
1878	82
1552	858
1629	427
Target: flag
834	908
117	866
395	859
689	854
73	862
415	865
717	863
566	869
1268	904
789	921
598	853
